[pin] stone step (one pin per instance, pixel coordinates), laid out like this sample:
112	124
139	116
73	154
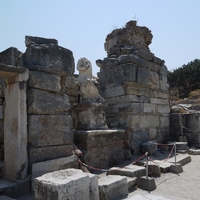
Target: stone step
181	159
14	189
112	187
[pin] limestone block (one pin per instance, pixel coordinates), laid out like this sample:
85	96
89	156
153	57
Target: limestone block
40	154
49	58
152	133
102	148
164	121
113	91
131	58
67	184
153	67
129	171
43	102
159	101
109	62
41	168
49	130
44	81
154	80
144	54
143	76
112	187
38	40
163	70
125	108
146	121
150	108
163	83
158	60
10	56
163	109
162	95
192	122
150	147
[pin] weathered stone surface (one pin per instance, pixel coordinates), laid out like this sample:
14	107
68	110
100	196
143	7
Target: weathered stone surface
150	147
43	102
129	171
90	116
40	154
113	91
150	108
147	183
154	80
38	40
49	58
153	170
112	187
130	35
44	81
144	54
75	184
119	74
41	168
103	148
10	56
49	130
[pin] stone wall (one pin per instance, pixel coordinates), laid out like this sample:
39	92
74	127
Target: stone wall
50	126
134	83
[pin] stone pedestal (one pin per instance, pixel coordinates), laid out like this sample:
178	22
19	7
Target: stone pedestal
102	148
147	183
90	116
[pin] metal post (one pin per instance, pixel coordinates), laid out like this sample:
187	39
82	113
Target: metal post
175	152
147	165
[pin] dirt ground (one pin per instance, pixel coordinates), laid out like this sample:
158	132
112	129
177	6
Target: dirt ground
172	186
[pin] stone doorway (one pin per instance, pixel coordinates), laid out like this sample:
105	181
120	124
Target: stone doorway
15	122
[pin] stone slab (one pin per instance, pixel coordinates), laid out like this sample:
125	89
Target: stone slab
132	181
181	145
112	187
181	159
67	184
194	151
49	130
129	170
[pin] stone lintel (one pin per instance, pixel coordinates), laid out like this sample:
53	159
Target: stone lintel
14	73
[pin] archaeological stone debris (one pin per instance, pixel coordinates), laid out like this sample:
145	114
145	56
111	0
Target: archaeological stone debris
55	124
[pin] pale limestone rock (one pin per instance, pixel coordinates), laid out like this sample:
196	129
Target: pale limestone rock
67	184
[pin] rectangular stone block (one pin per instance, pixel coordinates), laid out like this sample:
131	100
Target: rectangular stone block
154	80
41	168
143	76
150	108
163	109
44	102
48	153
112	187
113	91
67	184
159	101
44	81
164	121
49	130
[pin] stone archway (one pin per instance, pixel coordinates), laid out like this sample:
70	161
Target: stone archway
15	122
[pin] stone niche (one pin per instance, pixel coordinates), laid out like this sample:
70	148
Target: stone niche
134	83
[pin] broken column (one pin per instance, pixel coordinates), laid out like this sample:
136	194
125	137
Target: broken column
134	83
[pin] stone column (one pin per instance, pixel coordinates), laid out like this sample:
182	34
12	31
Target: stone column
15	126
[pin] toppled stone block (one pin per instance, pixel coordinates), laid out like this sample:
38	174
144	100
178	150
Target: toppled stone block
44	102
67	184
47	56
49	130
44	81
112	187
150	147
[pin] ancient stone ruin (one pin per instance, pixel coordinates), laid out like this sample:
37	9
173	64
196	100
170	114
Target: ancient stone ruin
50	118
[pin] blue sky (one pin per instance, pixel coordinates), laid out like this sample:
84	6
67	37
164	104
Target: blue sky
82	26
